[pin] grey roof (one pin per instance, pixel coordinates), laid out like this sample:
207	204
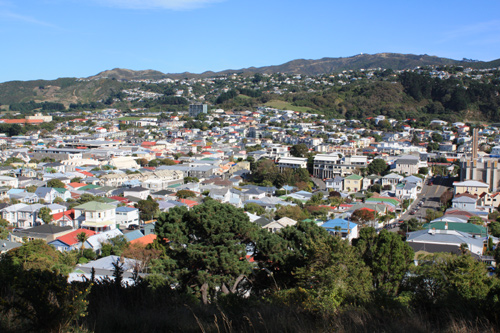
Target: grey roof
443	237
107	263
41	231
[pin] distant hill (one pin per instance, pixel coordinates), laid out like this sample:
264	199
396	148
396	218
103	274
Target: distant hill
393	61
108	85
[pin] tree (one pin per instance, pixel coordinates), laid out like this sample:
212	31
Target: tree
377	167
388	257
76	180
31	189
411	225
58	200
38	255
475	220
446	198
147	208
82	238
299	150
334	275
436	137
254	208
183	194
4	232
423	171
362	216
45	214
494	228
431	146
294	212
375	188
55	183
449	280
207	247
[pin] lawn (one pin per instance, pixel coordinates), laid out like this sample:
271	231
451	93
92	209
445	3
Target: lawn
282	105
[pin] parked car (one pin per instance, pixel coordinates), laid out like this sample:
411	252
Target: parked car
133	227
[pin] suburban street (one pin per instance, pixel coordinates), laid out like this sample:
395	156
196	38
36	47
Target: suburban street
430	195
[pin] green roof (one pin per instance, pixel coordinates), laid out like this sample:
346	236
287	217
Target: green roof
174	185
458	226
353	177
88	187
94	206
108	200
60	190
388	200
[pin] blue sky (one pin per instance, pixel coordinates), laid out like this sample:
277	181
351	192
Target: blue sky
47	39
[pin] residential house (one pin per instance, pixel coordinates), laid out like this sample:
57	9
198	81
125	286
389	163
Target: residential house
434	240
279	224
137	192
353	183
465	201
69	241
46	232
346	229
335	184
391	180
470	186
125	216
96	216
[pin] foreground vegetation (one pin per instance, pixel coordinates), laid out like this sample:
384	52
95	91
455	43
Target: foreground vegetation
299	279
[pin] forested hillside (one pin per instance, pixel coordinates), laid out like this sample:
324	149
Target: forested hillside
427	92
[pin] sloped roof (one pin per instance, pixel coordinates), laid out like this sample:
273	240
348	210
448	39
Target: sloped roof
71	239
94	206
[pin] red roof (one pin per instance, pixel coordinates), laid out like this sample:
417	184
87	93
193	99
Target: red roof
76	185
34	121
71	239
69	213
190	203
144	240
121	199
86	173
13	121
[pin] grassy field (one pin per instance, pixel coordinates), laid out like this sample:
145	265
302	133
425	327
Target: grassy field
282	105
130	118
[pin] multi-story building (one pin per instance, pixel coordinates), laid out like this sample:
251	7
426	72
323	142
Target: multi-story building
329	166
292	163
196	109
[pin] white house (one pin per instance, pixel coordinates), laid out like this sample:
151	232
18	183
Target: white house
126	216
96	216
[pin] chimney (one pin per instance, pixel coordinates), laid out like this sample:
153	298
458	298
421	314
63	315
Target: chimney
475	138
446	226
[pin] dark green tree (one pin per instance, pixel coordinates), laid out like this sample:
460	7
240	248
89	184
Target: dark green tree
147	208
45	214
55	183
377	167
4	232
388	257
207	247
299	150
183	194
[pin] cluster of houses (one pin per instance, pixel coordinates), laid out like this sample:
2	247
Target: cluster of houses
157	157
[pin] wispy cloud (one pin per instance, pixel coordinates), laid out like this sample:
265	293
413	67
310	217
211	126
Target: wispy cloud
479	29
9	15
155	4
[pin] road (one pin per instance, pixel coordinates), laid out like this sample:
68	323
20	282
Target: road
431	195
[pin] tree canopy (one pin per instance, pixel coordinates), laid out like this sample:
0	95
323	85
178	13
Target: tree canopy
207	246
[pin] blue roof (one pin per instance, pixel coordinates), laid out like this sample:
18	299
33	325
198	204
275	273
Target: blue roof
343	224
125	209
130	236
